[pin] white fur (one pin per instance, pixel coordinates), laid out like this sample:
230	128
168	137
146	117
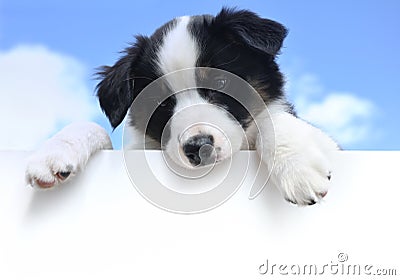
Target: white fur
204	118
192	113
178	51
298	154
135	140
67	151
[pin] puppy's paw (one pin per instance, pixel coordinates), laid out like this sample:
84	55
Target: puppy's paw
303	166
47	168
306	186
65	154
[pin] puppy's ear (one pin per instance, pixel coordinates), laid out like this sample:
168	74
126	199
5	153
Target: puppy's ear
115	90
247	27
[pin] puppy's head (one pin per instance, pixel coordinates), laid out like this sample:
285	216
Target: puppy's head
195	124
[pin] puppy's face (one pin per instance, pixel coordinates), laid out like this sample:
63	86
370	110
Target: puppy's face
178	83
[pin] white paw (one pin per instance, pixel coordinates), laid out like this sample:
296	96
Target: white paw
65	154
303	184
303	166
50	166
300	159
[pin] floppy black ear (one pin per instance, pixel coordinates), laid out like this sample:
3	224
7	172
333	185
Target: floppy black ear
263	34
115	90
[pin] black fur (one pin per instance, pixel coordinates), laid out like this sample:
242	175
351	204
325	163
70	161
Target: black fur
245	26
123	81
242	43
116	89
238	41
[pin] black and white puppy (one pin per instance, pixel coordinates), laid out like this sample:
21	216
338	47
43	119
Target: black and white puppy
236	41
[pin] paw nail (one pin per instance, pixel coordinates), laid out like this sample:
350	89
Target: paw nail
63	175
311	202
322	194
290	201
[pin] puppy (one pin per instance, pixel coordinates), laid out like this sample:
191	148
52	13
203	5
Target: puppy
196	111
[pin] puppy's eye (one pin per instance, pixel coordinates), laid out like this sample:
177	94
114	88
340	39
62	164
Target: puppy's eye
220	83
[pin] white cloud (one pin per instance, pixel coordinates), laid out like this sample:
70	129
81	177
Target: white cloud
343	115
40	91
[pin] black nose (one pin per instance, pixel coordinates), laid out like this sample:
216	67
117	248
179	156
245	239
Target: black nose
199	149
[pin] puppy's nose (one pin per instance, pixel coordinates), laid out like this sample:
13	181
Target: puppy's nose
199	149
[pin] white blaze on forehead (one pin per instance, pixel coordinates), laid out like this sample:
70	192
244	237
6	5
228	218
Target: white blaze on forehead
179	51
193	115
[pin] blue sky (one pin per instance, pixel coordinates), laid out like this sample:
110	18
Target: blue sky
341	59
